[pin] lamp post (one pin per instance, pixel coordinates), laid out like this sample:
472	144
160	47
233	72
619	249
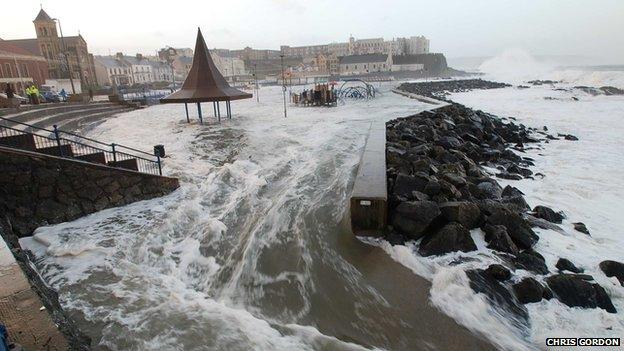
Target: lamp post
256	82
283	84
233	74
71	80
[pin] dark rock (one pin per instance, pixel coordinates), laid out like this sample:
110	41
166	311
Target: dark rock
405	184
509	176
498	272
518	202
548	214
509	191
529	290
490	190
564	264
497	238
414	217
580	227
603	300
448	142
450	238
531	261
395	238
525	172
517	227
542	223
418	196
498	295
464	213
576	292
613	269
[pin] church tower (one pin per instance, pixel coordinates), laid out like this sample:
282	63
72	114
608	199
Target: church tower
48	41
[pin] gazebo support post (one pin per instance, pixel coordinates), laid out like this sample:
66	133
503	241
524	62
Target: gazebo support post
199	113
214	107
229	109
218	111
186	109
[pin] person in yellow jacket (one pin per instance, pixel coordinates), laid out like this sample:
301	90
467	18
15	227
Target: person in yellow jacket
28	92
35	92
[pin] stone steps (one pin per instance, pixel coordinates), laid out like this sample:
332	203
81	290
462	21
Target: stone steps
21	115
63	119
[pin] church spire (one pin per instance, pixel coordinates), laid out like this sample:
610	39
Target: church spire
43	16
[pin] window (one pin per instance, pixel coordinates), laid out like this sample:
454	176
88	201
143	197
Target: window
9	72
1	73
24	70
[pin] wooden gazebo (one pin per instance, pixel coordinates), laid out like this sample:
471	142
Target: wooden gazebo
205	83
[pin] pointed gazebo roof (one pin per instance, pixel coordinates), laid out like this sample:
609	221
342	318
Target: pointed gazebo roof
204	82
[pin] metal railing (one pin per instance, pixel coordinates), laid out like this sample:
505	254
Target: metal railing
66	144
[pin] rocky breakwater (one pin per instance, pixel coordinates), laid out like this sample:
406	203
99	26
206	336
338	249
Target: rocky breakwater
442	167
441	89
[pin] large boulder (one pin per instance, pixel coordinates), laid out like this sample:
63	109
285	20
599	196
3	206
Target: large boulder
529	290
563	264
405	184
574	291
489	190
531	261
542	223
498	295
613	269
450	238
464	213
498	272
517	227
509	191
412	218
497	238
548	214
580	227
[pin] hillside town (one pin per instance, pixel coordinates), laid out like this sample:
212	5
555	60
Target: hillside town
54	62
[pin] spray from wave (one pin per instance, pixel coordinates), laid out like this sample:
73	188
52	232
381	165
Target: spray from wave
517	66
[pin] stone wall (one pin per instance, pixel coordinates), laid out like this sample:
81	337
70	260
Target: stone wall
37	189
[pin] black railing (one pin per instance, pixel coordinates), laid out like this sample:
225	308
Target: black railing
66	144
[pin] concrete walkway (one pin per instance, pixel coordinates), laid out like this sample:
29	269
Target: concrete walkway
21	311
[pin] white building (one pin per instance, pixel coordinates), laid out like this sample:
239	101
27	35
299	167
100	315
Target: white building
399	46
229	66
161	71
127	70
110	70
364	64
141	68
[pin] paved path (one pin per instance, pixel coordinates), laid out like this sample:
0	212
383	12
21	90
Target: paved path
21	310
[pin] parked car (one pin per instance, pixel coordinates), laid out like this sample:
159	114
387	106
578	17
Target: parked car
50	96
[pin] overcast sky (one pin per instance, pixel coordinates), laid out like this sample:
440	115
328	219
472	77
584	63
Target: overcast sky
457	28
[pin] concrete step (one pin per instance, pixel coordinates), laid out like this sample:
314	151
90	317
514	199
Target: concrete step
73	124
58	119
56	151
125	164
97	157
30	114
20	141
